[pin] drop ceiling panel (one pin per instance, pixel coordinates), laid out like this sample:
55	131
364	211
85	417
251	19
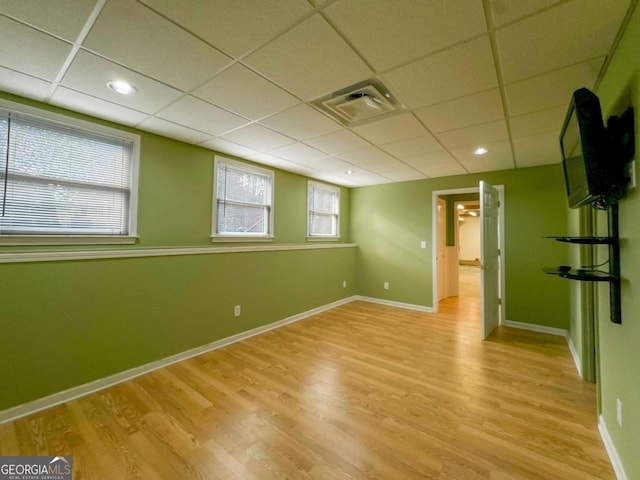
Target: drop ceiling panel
474	136
89	74
234	27
242	91
22	84
172	130
547	41
382	166
113	37
412	146
310	60
362	177
498	158
505	11
433	158
28	51
405	175
224	146
301	122
540	149
64	18
392	129
338	142
462	112
460	70
337	178
297	152
272	161
551	89
443	170
79	102
199	115
258	138
372	27
370	156
333	165
544	121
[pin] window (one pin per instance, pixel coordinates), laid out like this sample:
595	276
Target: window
243	205
65	179
324	211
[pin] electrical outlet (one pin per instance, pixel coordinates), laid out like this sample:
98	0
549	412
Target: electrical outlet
236	311
619	411
386	285
344	284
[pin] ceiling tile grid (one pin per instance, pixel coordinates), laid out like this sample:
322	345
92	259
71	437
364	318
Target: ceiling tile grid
239	77
113	38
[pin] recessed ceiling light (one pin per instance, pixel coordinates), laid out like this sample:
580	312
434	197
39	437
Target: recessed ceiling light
349	172
473	214
480	151
460	206
121	87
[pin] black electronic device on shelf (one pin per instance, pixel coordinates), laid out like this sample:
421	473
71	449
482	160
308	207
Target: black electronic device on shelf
594	159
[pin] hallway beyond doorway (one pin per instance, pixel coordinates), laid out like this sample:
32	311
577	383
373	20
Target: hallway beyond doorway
469	281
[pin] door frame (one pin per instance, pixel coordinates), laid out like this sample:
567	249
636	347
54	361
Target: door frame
434	238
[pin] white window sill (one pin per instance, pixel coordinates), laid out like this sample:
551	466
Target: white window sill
67	240
323	239
232	238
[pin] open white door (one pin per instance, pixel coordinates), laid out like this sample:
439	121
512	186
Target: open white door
490	258
441	250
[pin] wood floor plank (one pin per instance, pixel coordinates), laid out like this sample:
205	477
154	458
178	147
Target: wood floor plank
362	391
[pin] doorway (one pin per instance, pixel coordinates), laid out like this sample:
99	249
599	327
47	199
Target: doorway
447	271
467	240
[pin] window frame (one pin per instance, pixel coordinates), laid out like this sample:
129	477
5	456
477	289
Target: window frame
330	188
240	236
92	128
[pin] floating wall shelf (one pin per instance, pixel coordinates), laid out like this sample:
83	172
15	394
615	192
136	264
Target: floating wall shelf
593	275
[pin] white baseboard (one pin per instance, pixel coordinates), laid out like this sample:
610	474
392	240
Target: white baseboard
391	303
616	463
536	328
574	354
73	393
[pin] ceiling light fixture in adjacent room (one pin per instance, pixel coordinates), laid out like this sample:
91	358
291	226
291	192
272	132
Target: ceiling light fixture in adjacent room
480	151
122	87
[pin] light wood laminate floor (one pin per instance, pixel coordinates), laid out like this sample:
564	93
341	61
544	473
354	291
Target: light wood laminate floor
361	391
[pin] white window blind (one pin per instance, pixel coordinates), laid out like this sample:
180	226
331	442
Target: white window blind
324	210
58	179
244	205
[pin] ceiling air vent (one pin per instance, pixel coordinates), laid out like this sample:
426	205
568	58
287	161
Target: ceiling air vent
365	101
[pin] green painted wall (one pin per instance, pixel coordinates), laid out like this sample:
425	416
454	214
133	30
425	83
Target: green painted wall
620	344
67	323
389	221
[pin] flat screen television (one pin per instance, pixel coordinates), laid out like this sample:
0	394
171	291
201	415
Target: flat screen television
589	175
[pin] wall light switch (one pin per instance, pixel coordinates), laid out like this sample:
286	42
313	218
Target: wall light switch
423	244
